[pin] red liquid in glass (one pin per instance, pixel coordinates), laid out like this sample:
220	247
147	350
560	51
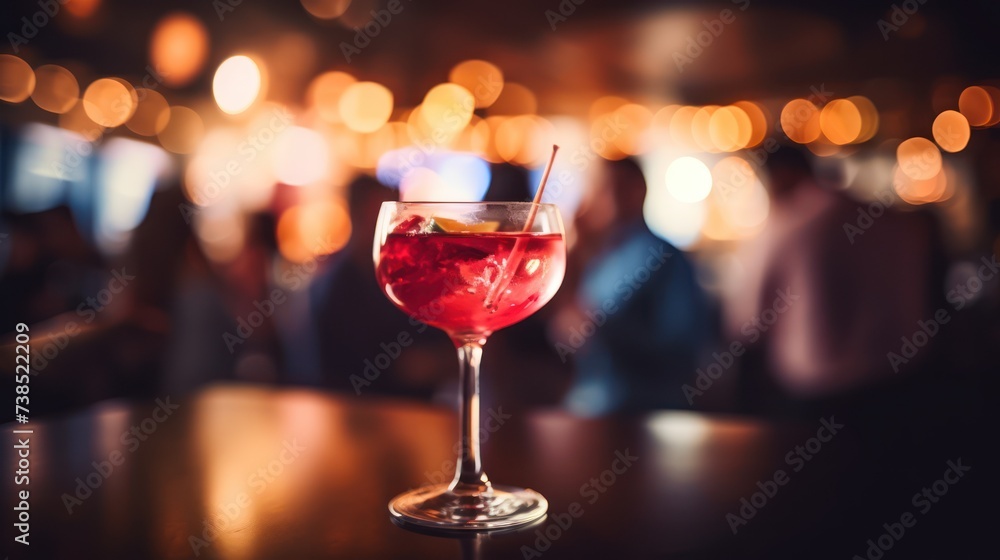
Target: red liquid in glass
443	279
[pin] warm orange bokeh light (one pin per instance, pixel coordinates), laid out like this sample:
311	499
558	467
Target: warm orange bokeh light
82	9
325	92
447	109
514	100
524	140
977	106
700	128
680	126
178	49
869	117
152	114
605	106
604	132
482	78
840	121
56	89
183	132
110	102
326	9
921	191
951	131
17	80
800	121
365	106
76	120
758	121
633	120
313	229
919	158
730	128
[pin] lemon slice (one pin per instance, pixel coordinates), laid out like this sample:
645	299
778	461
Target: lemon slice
445	225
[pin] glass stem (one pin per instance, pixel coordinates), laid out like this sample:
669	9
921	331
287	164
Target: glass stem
469	475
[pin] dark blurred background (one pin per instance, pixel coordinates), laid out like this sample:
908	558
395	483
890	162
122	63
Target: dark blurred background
789	206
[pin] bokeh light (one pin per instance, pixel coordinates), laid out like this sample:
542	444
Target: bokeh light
326	9
324	94
447	109
17	80
56	89
482	78
919	158
758	121
524	140
301	156
151	115
869	117
951	131
178	49
678	222
680	126
800	121
77	121
920	191
632	121
237	84
82	9
308	230
183	132
365	106
977	105
110	102
700	128
688	179
730	129
515	99
739	198
840	122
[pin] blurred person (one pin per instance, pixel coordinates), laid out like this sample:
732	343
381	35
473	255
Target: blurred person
826	294
358	329
636	324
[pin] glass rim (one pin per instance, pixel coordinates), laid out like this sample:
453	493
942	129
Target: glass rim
454	203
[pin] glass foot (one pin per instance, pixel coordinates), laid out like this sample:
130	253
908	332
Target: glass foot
440	508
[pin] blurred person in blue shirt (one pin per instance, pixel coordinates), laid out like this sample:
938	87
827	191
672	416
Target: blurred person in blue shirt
638	324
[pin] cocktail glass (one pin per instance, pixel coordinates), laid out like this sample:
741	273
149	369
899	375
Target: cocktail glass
469	269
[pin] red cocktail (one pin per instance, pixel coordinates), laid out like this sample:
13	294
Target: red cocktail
444	279
469	269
